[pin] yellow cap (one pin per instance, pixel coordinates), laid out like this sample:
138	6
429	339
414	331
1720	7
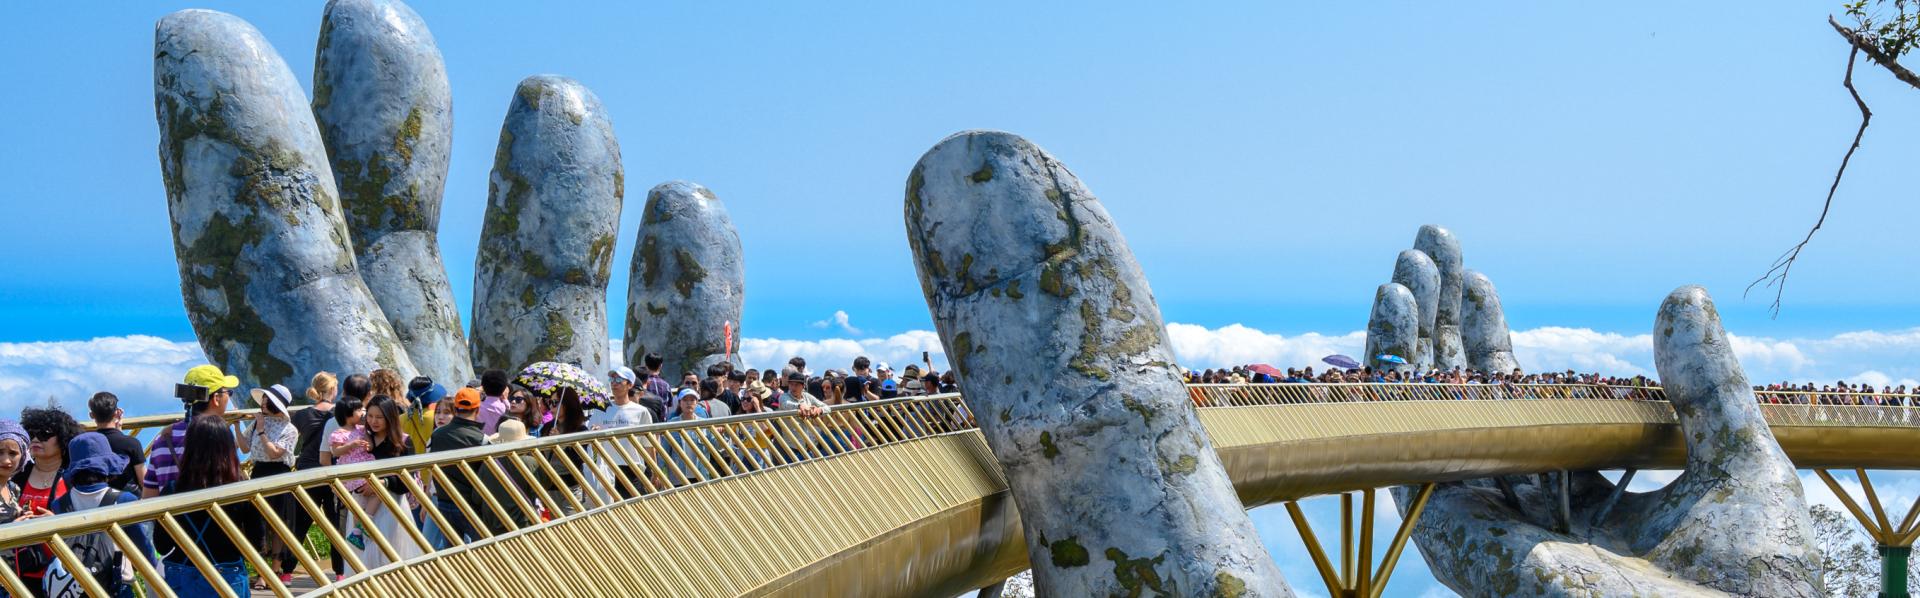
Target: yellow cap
210	377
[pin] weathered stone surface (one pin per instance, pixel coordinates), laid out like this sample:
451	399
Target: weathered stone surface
269	280
1055	335
1734	522
1483	327
386	114
687	280
1414	270
1440	245
553	214
1394	327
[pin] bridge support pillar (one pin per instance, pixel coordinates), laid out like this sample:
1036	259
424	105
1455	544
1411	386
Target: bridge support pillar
1893	571
1895	543
1359	579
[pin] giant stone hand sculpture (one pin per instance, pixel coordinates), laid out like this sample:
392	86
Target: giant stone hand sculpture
270	282
1483	328
386	114
1414	270
280	285
687	280
553	214
1440	245
1734	522
1056	337
1393	328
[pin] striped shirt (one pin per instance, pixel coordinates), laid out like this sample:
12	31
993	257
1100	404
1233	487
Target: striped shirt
163	456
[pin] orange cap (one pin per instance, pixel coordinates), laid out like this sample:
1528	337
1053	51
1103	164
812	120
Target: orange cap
466	398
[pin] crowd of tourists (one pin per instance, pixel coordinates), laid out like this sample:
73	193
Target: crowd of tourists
57	466
1838	393
1260	374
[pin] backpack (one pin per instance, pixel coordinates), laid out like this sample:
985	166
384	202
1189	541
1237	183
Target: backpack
96	551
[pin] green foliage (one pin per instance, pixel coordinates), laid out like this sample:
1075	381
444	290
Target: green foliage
1895	31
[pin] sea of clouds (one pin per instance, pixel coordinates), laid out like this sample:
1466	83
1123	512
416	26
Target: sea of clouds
142	369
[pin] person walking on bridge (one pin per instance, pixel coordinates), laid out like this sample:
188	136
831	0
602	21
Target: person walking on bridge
464	431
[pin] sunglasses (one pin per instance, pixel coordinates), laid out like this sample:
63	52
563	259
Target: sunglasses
516	399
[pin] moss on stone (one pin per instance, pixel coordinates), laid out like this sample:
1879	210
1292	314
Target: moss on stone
649	261
1184	465
527	298
984	174
558	338
1139	575
1226	585
1053	280
600	256
529	93
1047	448
1068	553
1145	411
962	347
211	265
691	273
408	135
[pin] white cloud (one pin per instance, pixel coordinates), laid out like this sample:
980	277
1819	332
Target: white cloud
140	369
838	321
1200	347
1871	357
838	353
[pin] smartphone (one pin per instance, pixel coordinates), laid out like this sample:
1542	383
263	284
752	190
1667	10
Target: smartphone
926	357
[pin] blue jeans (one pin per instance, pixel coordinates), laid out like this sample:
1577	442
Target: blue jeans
187	582
461	527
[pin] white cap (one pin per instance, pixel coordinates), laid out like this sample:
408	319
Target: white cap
883	367
625	373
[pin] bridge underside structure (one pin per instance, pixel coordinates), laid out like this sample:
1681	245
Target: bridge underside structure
903	498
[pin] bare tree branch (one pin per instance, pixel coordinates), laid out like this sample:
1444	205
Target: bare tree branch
1862	42
1776	276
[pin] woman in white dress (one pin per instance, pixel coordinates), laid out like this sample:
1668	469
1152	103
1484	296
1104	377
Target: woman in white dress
383	428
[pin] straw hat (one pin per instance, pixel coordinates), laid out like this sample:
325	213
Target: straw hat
511	430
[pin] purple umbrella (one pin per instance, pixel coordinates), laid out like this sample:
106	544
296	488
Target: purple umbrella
1341	361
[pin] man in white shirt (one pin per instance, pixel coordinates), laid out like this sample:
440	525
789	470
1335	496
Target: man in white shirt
624	412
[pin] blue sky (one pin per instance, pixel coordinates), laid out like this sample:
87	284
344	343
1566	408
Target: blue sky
1266	162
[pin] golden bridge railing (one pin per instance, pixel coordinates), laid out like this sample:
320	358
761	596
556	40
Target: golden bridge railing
1797	408
815	487
529	485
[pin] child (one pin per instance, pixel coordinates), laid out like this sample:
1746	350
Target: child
350	444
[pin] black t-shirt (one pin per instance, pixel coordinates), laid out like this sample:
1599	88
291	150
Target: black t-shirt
130	448
310	422
856	387
732	399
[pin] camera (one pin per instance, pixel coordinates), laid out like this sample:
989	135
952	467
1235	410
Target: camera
191	393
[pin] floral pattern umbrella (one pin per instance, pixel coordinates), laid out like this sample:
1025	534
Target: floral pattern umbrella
547	376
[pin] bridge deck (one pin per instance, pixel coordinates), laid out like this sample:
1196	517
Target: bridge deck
903	498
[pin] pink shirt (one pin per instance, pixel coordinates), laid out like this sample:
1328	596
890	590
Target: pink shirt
491	410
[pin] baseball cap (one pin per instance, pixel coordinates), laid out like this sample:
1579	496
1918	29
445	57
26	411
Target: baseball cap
796	377
624	373
883	367
684	393
466	399
210	378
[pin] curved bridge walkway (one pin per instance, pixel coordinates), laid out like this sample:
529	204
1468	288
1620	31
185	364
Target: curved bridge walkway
902	497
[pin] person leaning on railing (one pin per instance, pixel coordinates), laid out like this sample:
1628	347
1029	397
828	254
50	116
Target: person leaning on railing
273	440
312	426
463	431
207	459
104	408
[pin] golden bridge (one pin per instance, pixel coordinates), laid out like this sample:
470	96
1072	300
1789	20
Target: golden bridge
903	498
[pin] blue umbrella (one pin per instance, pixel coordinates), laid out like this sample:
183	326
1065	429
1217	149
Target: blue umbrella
1391	358
1341	361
